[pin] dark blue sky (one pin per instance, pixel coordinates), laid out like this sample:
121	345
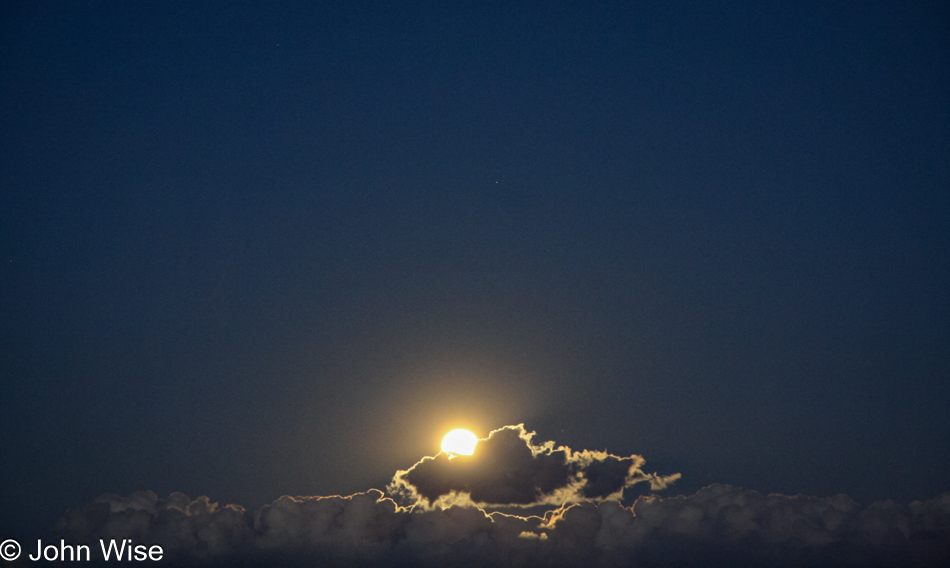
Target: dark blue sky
251	250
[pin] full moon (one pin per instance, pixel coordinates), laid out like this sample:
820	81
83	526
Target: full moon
460	442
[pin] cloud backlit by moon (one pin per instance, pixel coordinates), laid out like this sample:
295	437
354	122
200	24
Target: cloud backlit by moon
585	525
720	525
508	469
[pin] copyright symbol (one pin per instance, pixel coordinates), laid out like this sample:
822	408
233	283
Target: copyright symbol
10	550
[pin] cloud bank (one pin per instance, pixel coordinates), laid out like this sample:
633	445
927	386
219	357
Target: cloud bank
719	525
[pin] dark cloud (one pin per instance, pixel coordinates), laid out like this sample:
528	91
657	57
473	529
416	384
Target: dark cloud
196	529
508	469
720	525
442	523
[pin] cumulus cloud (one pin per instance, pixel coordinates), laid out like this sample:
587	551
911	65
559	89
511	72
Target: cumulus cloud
196	528
507	469
720	525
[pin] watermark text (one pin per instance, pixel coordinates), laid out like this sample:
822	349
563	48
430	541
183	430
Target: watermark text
108	550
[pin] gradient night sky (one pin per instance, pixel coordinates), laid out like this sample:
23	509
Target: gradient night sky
251	250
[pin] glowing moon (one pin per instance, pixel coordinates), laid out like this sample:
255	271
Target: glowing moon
460	442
